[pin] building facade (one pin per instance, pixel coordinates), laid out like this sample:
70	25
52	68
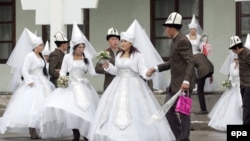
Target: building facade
218	24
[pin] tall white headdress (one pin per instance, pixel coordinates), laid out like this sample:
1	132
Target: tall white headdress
247	42
128	37
195	24
46	50
24	45
78	37
144	45
35	41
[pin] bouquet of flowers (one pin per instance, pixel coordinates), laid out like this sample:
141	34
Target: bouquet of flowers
205	46
227	84
63	81
103	56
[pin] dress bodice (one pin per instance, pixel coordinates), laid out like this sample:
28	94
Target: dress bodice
123	65
38	67
195	44
79	68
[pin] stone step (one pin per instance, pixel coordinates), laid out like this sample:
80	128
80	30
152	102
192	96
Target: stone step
198	122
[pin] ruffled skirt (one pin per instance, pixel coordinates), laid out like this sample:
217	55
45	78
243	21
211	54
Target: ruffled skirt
227	110
124	111
69	108
25	106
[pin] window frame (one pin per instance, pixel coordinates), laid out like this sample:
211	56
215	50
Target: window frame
12	3
239	17
153	20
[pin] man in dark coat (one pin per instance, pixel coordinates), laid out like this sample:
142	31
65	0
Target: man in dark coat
113	39
56	57
244	69
181	65
205	69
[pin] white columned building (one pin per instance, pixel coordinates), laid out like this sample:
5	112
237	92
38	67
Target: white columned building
58	13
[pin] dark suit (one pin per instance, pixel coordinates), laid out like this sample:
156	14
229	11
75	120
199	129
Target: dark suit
108	77
55	63
205	69
244	64
181	65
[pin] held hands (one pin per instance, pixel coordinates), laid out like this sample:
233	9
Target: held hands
184	86
150	72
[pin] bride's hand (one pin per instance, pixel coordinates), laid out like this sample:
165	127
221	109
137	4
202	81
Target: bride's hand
31	84
105	65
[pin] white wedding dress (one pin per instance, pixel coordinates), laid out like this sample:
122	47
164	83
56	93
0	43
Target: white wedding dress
25	106
228	109
126	107
72	107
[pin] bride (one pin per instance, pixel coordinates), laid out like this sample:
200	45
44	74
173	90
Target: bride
72	108
128	103
228	109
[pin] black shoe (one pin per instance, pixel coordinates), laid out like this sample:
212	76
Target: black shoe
76	135
85	139
201	113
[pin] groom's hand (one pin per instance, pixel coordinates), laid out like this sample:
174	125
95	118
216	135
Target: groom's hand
150	72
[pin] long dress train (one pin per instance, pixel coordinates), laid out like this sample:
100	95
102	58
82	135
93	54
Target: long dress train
228	109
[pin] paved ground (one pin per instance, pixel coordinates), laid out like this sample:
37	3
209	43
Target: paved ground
195	136
201	131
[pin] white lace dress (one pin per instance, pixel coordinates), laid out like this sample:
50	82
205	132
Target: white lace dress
228	109
25	106
125	108
72	107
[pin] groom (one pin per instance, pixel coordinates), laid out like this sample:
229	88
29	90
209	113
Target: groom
181	65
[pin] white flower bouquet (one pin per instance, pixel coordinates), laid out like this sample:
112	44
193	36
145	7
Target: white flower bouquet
63	82
103	56
227	84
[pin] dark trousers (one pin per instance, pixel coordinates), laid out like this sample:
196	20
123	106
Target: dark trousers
200	91
245	92
179	123
53	80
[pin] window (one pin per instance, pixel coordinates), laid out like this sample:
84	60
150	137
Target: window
242	19
7	28
160	10
84	28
